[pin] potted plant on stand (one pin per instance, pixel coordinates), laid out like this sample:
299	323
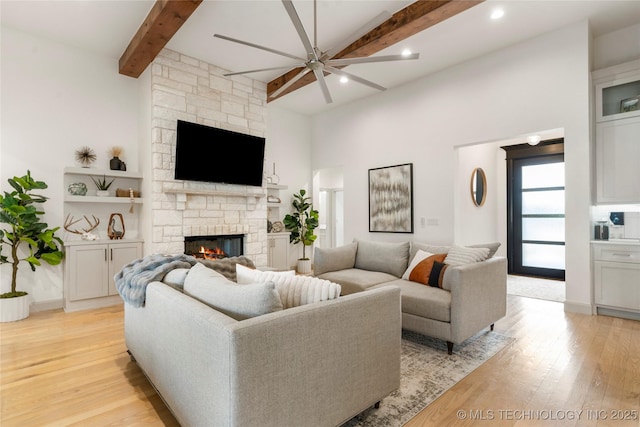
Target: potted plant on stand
301	223
18	210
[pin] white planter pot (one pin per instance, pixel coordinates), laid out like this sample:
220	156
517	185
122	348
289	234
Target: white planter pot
12	309
102	193
304	266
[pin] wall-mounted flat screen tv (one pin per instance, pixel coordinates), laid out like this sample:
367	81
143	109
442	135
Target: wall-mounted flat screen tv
209	154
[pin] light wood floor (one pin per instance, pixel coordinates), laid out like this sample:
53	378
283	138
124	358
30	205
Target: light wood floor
63	369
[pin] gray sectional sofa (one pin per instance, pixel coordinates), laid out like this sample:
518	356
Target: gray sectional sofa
317	364
472	295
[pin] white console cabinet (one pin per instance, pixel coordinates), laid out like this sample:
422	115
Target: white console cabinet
278	251
616	271
89	270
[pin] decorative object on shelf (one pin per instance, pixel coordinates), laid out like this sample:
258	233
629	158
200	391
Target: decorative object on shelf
85	156
92	224
123	166
24	225
273	199
274	178
115	230
130	193
277	227
269	226
391	199
77	189
629	104
103	185
478	187
115	164
302	222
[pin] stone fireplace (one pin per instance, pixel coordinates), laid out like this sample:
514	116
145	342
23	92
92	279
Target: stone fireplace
214	247
185	88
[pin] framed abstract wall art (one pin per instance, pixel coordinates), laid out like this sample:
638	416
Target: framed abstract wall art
391	199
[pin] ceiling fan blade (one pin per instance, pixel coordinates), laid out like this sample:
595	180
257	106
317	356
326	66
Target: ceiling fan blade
323	85
285	86
357	34
265	69
354	78
295	19
363	60
277	52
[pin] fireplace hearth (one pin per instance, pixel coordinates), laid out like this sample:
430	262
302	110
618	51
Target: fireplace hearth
214	247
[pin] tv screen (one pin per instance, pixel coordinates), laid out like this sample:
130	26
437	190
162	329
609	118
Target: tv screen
209	154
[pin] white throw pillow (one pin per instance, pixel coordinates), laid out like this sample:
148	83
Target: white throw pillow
239	302
293	290
459	255
246	275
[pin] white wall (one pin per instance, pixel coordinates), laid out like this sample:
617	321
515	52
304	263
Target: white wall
289	146
616	47
486	223
542	83
56	99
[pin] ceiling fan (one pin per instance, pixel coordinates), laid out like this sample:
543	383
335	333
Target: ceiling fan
320	62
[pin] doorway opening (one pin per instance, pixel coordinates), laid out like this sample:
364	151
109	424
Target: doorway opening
330	207
535	210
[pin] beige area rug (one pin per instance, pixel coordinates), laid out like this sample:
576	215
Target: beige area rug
531	287
427	371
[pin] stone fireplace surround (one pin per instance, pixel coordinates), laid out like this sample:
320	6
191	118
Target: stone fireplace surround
188	89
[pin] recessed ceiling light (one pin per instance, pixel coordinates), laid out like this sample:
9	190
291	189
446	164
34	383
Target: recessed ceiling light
406	52
497	14
344	79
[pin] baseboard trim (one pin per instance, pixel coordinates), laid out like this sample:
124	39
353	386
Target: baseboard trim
577	307
52	304
618	313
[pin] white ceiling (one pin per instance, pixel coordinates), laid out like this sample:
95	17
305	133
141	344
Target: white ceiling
106	27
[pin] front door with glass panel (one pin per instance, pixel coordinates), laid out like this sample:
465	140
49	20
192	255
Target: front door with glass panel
538	222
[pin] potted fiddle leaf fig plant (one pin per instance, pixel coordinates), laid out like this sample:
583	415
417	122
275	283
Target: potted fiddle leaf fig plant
302	223
24	228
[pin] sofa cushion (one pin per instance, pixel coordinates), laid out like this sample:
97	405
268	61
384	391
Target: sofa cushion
293	290
439	249
493	247
176	277
353	280
423	301
459	255
334	259
227	266
239	302
385	257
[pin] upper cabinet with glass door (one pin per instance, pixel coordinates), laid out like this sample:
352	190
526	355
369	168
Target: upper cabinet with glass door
617	91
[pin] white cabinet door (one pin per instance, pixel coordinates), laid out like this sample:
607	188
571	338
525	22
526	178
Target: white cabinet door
88	272
278	253
618	160
617	284
119	256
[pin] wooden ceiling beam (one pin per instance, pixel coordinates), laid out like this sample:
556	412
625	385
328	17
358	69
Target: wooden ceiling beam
164	19
403	24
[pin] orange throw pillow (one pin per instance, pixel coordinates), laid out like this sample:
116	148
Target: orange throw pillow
421	272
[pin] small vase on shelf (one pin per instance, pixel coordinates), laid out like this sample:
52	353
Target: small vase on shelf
115	164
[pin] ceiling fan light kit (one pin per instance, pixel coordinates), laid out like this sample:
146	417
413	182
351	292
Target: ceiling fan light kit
320	62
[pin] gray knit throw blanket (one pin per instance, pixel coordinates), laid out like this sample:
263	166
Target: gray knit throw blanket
134	277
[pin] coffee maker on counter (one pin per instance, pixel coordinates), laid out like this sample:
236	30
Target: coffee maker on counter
601	230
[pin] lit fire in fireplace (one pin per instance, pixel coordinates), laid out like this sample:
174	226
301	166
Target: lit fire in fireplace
207	253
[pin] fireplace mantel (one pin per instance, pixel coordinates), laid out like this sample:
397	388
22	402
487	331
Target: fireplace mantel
182	193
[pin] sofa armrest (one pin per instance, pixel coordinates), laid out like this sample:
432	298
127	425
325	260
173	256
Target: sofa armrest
319	364
478	296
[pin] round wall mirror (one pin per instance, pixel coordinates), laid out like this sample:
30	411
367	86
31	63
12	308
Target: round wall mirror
478	186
